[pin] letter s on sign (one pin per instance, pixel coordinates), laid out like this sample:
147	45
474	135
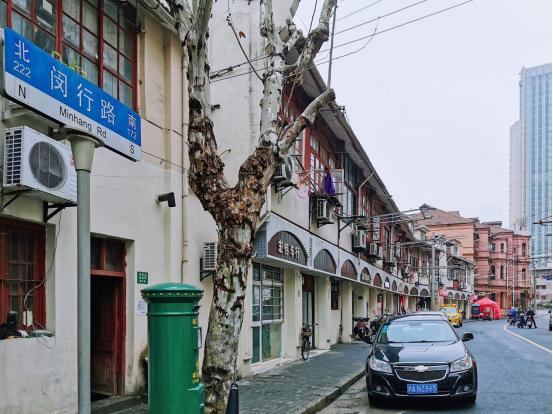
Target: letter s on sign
131	148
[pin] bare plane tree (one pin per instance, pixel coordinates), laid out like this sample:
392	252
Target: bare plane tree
236	209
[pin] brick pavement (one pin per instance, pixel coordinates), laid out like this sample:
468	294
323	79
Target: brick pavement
301	386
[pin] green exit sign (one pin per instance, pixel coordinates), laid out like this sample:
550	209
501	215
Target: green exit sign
142	278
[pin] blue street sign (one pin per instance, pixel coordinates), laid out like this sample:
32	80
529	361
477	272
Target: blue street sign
38	81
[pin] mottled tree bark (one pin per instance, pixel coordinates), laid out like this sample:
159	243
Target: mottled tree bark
236	209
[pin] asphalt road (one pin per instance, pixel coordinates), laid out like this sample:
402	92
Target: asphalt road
514	376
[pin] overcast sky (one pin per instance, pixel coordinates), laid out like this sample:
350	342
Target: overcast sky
432	102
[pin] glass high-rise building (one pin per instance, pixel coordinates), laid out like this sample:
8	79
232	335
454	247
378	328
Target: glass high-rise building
530	162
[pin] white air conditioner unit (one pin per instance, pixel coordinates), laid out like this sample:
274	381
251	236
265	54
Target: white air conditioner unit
374	250
285	172
323	210
40	164
360	240
209	262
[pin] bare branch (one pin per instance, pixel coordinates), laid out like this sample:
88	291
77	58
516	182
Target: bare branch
296	39
266	25
315	38
306	119
202	13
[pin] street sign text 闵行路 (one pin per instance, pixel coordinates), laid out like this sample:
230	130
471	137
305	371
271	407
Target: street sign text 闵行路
42	83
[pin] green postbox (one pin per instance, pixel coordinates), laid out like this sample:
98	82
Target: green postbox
174	338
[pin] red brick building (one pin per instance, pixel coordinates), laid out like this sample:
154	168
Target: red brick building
501	256
502	265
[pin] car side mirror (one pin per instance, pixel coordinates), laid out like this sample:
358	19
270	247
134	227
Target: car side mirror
467	336
367	339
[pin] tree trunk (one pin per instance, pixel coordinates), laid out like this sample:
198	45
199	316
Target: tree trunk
236	209
226	315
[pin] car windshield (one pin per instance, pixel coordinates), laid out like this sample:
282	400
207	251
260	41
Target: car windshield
416	331
450	311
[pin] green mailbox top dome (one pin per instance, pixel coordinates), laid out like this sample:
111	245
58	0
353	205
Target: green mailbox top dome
172	290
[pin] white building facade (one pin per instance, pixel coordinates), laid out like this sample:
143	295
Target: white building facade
321	258
126	51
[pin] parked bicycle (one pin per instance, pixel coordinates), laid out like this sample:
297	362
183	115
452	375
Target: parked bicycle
306	333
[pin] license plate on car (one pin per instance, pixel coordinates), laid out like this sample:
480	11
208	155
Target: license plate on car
422	388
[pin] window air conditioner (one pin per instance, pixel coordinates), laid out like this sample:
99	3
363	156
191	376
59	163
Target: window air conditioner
40	164
209	263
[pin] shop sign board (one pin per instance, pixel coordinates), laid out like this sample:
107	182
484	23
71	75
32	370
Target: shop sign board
38	81
285	245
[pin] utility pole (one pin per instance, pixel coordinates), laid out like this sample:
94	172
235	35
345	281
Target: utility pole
533	288
433	281
513	268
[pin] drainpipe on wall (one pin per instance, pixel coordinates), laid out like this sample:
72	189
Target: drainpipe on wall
184	169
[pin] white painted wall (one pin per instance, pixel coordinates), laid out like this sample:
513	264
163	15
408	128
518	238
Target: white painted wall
40	375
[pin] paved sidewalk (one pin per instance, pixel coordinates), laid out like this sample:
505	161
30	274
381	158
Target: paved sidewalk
303	387
299	387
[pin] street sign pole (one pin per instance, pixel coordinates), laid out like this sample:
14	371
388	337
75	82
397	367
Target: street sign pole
83	153
433	281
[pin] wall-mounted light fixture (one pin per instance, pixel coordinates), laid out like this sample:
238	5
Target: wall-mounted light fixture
169	197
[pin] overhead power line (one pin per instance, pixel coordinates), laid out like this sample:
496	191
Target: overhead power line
359	39
223	71
368	37
347	29
359	10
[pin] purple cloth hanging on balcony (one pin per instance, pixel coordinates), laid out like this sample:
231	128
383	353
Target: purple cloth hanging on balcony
329	184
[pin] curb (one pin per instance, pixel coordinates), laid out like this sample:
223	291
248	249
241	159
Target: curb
325	400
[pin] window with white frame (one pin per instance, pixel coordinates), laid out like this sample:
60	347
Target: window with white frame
267	312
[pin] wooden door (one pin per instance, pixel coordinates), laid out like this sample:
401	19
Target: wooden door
308	305
104	334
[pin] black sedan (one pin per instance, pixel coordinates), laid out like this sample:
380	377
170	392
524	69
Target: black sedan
416	356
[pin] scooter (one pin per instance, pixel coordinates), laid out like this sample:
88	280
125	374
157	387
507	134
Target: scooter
521	321
375	324
512	320
361	328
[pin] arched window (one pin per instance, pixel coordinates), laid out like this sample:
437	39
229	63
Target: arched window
524	249
523	274
492	271
501	271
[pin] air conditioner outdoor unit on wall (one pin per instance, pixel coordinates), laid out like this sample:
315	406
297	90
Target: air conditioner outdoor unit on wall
360	240
38	163
323	210
209	262
285	172
374	250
